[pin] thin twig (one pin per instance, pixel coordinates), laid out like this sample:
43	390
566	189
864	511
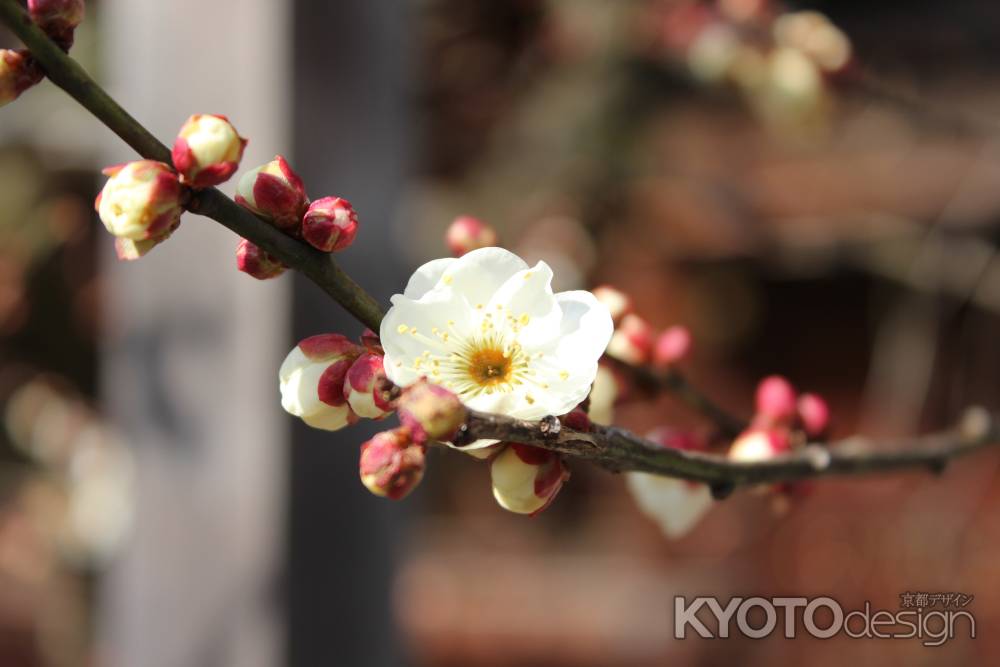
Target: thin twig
71	77
673	381
619	450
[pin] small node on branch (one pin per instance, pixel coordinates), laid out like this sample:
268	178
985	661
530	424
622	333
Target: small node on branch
818	456
550	427
722	490
463	437
937	466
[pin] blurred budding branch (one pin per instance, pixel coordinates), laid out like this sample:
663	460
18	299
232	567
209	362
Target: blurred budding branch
574	436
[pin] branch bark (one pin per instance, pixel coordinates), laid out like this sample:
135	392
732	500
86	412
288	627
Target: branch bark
619	450
610	447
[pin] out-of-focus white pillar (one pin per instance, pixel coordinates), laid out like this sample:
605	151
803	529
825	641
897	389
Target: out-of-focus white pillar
191	355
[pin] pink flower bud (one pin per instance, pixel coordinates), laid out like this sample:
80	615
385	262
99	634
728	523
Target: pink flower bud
18	72
632	341
776	399
431	412
311	381
330	224
814	414
254	261
466	234
141	200
672	346
58	18
526	479
207	150
275	192
391	465
617	302
365	385
759	445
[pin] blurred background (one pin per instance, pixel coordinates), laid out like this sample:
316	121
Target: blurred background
814	201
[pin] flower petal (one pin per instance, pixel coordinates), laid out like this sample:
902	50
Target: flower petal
426	277
411	328
479	274
526	307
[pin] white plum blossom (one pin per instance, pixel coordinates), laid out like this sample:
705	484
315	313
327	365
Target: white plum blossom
489	328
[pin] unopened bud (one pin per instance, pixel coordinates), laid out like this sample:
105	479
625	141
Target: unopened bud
526	479
18	72
814	35
391	465
364	387
713	53
311	381
330	224
129	250
759	445
617	302
672	346
632	341
430	411
776	399
141	201
207	150
254	261
58	18
275	192
466	234
814	414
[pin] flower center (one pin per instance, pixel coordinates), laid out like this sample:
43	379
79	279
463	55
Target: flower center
489	366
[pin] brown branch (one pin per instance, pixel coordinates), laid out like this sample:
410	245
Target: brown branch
619	450
613	448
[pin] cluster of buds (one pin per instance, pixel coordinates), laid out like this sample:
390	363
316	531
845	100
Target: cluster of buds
783	421
142	202
676	505
18	69
783	76
635	341
466	233
392	463
276	193
329	382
